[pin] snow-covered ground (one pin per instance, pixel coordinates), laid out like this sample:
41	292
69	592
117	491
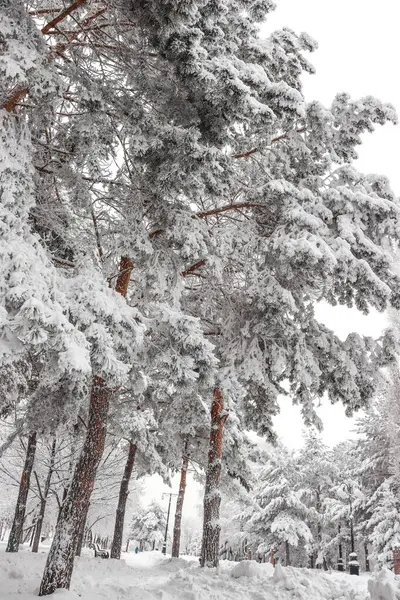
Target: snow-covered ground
150	576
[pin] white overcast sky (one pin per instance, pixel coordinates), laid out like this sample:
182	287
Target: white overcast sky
359	51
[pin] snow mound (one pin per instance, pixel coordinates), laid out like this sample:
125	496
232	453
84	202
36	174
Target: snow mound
246	568
385	586
309	584
174	564
250	568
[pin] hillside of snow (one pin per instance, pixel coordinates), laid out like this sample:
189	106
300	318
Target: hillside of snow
150	576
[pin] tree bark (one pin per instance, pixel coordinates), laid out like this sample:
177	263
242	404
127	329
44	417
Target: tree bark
367	565
81	535
71	467
18	523
212	499
43	499
60	560
287	553
340	542
116	545
125	270
179	504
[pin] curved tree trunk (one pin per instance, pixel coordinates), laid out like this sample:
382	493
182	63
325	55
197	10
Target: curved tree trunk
179	504
123	496
212	499
60	560
43	498
18	523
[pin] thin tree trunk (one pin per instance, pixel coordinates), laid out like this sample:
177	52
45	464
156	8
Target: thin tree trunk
116	545
319	530
367	566
212	499
81	535
32	535
179	504
18	523
340	542
60	560
287	552
43	499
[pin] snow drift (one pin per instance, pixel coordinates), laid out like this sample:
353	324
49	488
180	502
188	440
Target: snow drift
385	586
150	576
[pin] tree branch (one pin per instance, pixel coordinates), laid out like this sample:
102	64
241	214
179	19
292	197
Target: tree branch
97	234
221	209
193	268
62	15
246	154
14	434
283	136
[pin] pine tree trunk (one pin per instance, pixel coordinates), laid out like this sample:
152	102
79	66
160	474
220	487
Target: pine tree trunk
179	505
81	535
43	499
116	545
18	523
340	542
367	566
212	499
287	552
71	468
60	560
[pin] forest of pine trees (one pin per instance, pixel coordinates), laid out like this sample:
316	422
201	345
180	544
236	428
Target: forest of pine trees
172	209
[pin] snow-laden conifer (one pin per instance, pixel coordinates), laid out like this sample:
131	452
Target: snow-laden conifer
279	518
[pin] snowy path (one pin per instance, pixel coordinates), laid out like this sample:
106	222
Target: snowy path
149	576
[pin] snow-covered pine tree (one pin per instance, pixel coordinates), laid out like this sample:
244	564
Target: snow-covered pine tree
318	473
306	227
33	319
378	469
345	504
148	527
384	523
278	520
40	317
